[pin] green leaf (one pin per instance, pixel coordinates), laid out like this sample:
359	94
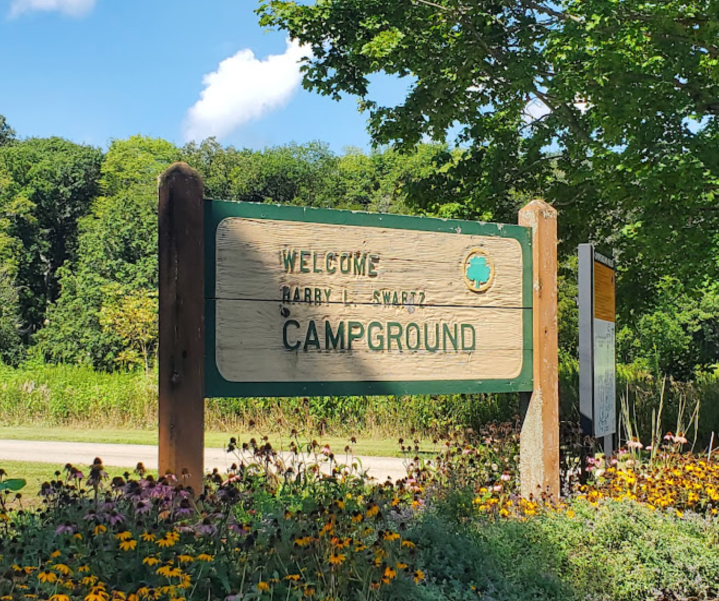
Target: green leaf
13	485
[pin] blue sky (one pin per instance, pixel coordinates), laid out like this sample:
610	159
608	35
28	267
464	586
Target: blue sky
93	70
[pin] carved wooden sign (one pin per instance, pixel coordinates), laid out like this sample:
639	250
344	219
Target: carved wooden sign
265	300
317	302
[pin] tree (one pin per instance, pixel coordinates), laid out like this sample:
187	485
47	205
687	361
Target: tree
7	133
10	342
133	318
46	185
116	261
607	107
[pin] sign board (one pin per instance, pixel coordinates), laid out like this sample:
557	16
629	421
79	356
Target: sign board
597	325
323	302
265	300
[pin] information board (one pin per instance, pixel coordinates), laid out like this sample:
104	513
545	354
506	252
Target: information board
323	302
597	342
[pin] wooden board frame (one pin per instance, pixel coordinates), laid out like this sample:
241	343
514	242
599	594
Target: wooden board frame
216	386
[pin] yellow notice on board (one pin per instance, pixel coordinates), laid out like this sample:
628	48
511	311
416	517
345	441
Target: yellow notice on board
604	293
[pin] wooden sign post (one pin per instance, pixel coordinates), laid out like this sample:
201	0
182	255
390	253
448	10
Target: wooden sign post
313	302
539	439
181	325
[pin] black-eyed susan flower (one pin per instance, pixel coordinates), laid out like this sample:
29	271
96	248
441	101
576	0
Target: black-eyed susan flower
128	545
336	559
62	569
47	576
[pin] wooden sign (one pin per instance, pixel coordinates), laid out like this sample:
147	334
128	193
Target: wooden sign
266	300
316	302
597	334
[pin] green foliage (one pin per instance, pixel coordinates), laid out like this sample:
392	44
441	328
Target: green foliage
623	135
76	395
117	259
46	185
10	342
7	133
643	553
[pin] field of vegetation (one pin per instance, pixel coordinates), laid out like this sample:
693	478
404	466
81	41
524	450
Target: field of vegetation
274	528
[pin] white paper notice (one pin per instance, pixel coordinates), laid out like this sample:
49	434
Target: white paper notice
604	378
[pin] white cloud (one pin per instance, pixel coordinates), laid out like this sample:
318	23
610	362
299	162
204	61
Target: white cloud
244	89
74	8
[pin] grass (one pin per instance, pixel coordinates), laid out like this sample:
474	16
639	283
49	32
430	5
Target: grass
374	447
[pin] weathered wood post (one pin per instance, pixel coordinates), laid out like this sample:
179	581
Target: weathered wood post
181	324
539	439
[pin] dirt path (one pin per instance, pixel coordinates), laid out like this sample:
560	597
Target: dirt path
128	455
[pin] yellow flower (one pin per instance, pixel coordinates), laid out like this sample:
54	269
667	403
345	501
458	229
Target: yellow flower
82	569
128	545
126	535
77	536
45	576
63	569
263	586
88	580
418	575
165	542
59	597
205	557
148	537
303	541
185	581
408	543
185	558
97	595
150	560
389	575
391	536
55	554
373	510
169	571
293	577
337	558
401	566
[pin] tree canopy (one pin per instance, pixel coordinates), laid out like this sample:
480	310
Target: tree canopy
606	107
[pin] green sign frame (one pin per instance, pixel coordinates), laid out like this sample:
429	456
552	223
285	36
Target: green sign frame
216	386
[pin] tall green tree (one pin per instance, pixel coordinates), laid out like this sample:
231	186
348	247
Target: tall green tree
46	185
115	270
7	133
607	107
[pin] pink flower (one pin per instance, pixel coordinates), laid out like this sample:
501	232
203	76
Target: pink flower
505	477
635	444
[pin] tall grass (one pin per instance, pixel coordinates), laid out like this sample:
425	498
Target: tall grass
67	395
59	395
651	405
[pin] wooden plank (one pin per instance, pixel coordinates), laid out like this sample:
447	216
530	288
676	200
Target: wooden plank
181	324
271	273
539	439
